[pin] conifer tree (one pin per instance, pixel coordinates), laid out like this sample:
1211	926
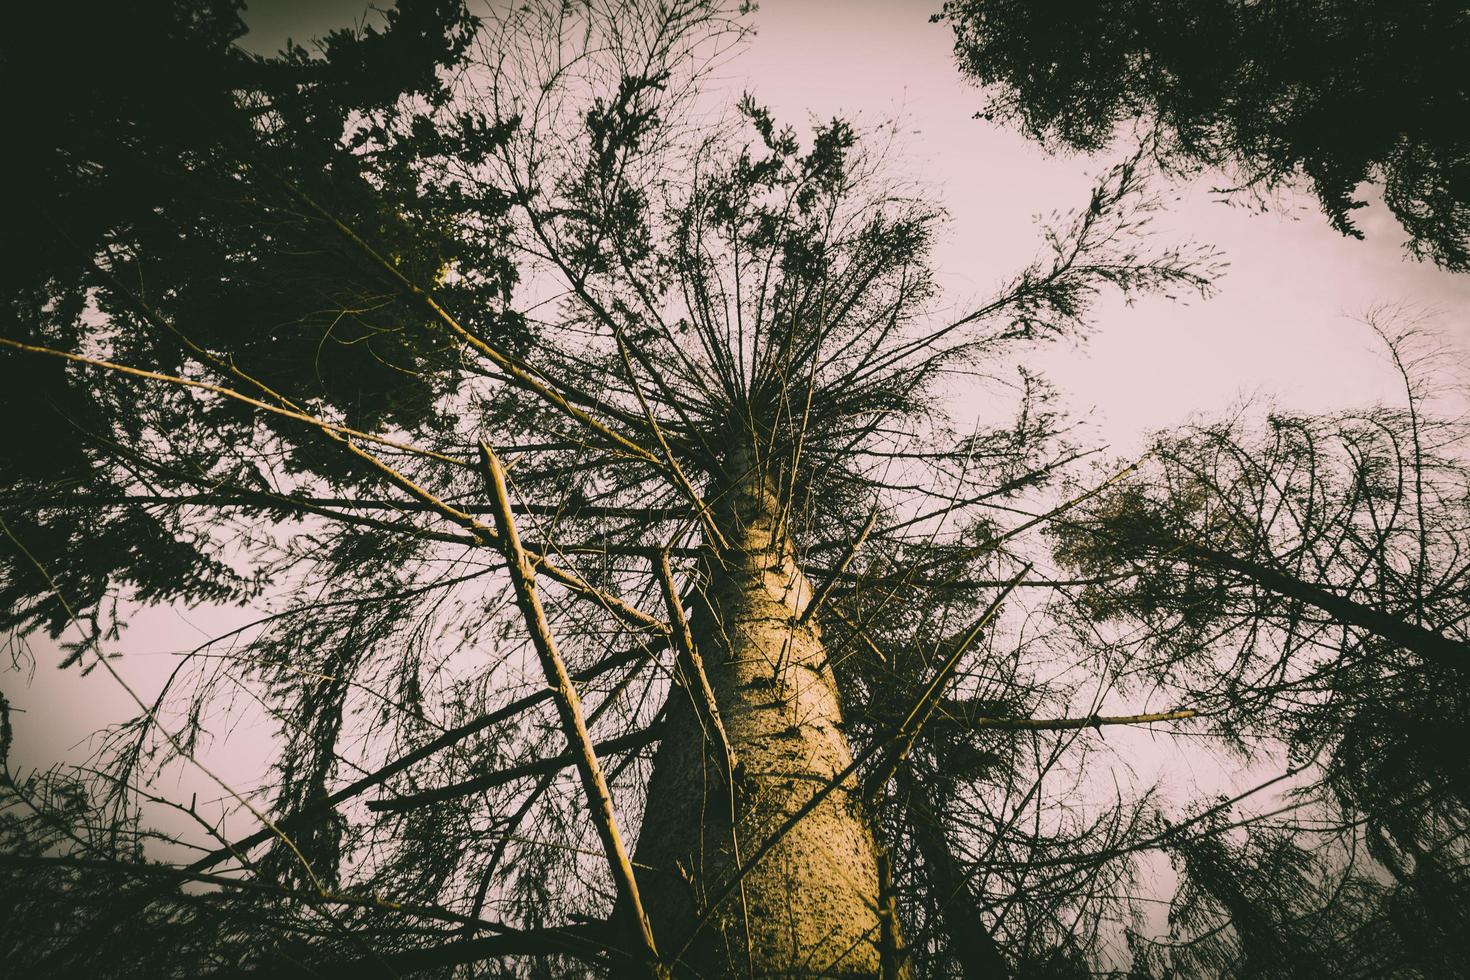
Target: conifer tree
627	601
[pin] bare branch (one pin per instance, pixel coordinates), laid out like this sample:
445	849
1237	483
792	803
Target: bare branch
568	704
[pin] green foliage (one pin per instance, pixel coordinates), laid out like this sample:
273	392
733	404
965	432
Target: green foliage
1329	91
156	229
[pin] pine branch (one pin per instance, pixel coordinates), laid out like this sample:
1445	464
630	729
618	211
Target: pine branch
835	575
1426	643
521	375
245	498
322	424
1091	721
675	470
184	875
588	942
623	743
451	737
569	706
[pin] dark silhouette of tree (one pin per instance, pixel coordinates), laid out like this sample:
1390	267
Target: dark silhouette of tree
625	600
145	209
1327	92
1305	577
1271	902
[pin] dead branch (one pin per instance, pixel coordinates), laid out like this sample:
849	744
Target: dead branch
568	704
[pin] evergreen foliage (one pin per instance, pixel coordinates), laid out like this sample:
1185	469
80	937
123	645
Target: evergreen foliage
307	338
1328	92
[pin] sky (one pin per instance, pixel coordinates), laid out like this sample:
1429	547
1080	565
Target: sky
1285	322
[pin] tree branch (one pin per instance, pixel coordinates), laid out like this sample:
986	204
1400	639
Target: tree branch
519	374
568	705
696	681
623	743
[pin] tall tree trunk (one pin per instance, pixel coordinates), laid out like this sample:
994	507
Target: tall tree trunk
970	941
811	906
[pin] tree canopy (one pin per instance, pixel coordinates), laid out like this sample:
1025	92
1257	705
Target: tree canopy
614	587
1328	92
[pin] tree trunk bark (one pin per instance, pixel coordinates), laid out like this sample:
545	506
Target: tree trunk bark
811	906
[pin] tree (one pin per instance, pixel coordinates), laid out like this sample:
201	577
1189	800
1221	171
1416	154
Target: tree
1303	578
543	420
148	198
1327	92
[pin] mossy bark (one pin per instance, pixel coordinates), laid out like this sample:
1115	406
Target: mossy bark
811	906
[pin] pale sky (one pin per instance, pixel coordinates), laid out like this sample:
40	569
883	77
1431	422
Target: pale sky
1284	322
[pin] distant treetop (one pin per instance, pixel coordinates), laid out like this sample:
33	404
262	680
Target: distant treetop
1334	91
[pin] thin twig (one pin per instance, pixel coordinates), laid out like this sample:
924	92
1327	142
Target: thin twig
695	680
675	470
842	566
540	767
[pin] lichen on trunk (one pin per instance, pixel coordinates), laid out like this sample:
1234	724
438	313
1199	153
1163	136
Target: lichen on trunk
810	907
